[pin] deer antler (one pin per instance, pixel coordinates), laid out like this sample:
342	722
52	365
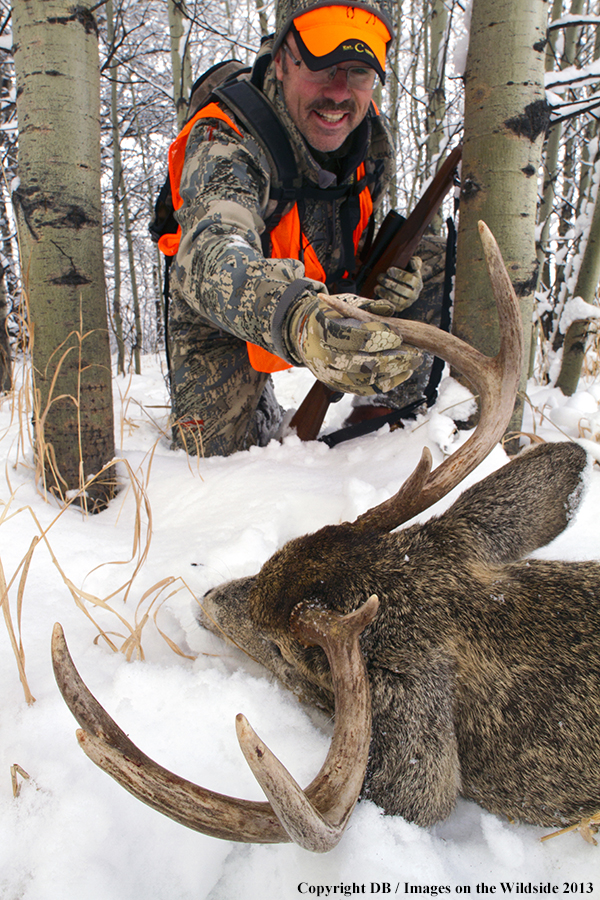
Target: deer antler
314	818
496	379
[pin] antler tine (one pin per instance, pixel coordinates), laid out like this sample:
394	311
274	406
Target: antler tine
303	823
314	818
496	380
385	516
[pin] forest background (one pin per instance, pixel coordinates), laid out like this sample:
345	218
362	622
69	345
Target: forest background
150	53
127	579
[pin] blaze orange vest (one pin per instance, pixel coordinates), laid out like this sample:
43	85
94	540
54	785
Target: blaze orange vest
287	238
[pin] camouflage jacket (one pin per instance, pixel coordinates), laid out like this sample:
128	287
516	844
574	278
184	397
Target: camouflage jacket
220	270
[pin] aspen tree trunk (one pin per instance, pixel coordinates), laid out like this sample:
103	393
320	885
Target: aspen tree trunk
119	197
5	264
576	339
59	214
587	163
416	112
116	182
157	265
262	17
553	170
550	159
436	95
574	345
137	319
506	118
392	90
181	66
569	148
437	23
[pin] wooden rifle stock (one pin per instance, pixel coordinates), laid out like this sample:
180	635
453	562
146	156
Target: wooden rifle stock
308	418
398	251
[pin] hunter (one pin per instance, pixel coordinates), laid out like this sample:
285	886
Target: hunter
251	260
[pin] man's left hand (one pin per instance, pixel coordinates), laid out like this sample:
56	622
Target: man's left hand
397	289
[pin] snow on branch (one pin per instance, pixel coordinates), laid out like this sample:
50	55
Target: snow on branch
573	75
570	21
577	310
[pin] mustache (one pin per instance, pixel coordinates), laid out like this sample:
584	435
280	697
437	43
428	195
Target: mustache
324	104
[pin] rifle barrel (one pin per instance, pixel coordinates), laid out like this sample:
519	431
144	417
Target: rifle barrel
403	245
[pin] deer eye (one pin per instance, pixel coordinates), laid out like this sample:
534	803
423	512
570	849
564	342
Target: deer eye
273	648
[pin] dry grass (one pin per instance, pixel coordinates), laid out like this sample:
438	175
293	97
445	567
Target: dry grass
47	469
17	644
591	362
587	828
31	452
539	415
19	399
128	633
130	619
15	771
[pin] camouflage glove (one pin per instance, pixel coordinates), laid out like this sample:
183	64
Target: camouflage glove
345	354
400	287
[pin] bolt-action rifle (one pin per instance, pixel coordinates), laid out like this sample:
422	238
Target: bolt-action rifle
394	245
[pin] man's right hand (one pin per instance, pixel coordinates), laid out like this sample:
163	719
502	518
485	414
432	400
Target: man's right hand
347	355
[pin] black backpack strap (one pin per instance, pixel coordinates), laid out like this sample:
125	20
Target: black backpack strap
261	64
254	110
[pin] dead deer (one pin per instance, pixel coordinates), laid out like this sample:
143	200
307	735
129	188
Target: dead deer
453	665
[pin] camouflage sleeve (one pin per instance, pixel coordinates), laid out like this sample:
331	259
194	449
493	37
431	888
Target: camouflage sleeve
220	270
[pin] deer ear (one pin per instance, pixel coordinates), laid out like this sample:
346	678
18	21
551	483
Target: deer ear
523	505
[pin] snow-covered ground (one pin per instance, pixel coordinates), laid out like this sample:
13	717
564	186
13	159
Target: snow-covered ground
74	834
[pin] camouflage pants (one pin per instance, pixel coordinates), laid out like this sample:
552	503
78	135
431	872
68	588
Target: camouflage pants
219	403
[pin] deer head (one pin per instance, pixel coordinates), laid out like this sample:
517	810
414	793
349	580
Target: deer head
312	616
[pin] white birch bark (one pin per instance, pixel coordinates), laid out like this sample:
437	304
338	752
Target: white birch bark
506	119
180	58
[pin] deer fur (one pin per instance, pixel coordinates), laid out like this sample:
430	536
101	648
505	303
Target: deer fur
484	666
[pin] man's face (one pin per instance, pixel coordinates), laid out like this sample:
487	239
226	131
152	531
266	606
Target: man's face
325	114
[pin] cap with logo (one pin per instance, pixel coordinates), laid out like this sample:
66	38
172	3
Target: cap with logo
328	33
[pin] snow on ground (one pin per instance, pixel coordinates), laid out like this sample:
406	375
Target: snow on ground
74	834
